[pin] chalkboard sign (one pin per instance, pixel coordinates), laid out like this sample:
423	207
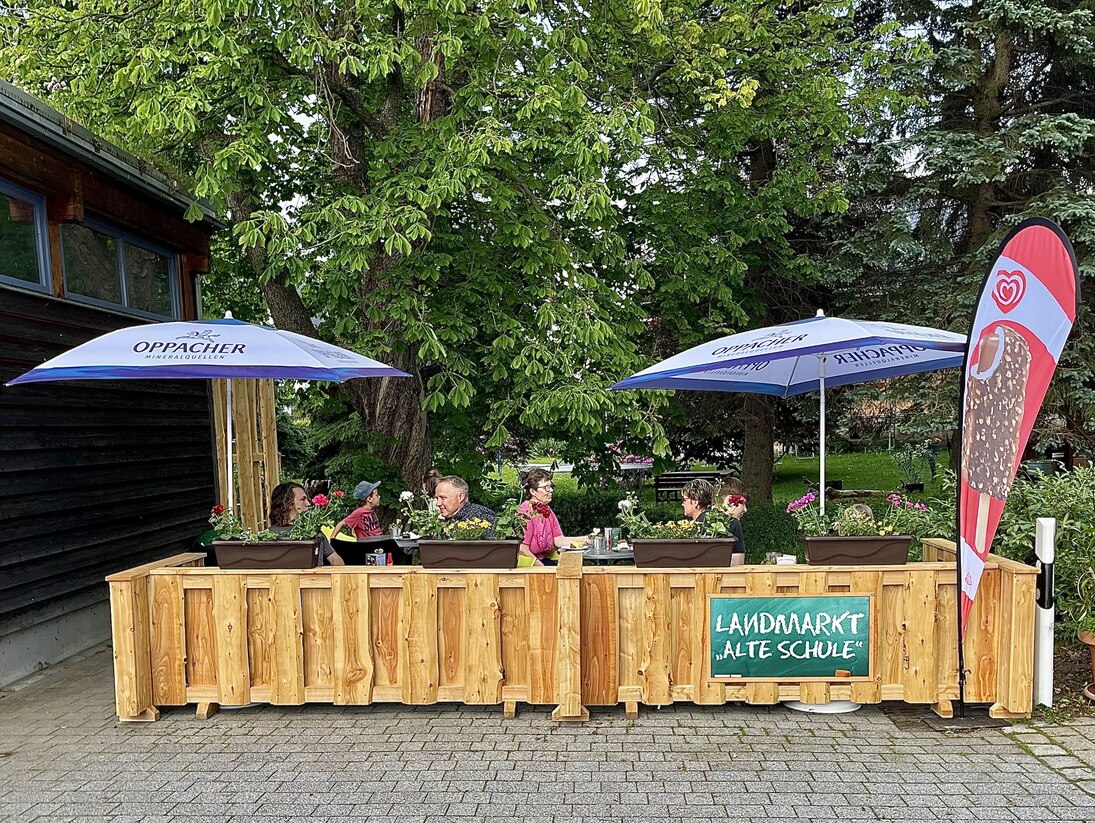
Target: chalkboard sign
790	637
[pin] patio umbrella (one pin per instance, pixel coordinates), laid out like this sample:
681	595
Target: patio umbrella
225	348
803	356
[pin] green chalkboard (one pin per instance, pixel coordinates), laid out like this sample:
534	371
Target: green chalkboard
790	637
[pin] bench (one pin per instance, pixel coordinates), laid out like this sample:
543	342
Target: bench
668	485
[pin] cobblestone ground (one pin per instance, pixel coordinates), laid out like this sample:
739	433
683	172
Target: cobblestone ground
63	757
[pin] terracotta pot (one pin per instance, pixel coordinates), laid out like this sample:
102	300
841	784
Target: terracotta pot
267	554
468	554
1089	638
705	552
857	551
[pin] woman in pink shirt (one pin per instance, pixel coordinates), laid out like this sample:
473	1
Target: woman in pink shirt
543	535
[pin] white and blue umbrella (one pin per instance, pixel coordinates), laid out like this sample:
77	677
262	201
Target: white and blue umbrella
225	348
803	356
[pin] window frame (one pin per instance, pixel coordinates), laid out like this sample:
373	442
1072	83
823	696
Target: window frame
41	238
123	237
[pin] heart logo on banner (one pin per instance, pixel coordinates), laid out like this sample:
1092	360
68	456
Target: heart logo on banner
1009	290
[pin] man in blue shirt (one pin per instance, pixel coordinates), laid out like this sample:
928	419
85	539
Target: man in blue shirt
451	496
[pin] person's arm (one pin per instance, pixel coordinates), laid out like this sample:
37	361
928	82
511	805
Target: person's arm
339	526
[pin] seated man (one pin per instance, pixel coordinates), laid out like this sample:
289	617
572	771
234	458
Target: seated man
451	496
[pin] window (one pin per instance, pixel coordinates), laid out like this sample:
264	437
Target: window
24	255
108	267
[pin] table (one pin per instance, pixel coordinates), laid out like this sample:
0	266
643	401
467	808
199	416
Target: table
609	556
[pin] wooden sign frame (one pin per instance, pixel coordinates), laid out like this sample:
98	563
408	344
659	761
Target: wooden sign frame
872	640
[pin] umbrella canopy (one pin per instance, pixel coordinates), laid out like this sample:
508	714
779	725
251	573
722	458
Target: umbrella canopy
784	360
803	356
227	348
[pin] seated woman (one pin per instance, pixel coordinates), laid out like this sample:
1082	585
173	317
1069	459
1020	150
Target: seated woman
735	502
543	534
696	498
287	501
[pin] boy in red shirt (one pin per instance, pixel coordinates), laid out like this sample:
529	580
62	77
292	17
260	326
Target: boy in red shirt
362	520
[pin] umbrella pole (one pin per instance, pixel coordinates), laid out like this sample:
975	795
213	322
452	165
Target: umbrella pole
231	475
821	479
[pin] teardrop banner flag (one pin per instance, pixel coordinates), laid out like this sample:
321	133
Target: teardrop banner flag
1024	313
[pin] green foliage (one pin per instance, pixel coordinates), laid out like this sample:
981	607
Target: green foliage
914	460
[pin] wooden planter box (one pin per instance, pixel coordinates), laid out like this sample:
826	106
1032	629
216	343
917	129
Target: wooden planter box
267	554
857	551
683	554
468	554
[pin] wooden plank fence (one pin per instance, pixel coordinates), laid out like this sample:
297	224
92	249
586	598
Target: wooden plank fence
570	637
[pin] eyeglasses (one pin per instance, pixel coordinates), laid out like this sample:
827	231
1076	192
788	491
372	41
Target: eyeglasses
546	487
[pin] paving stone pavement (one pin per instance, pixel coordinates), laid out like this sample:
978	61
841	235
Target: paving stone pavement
64	757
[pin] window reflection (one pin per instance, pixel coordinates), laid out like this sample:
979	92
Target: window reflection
18	240
91	263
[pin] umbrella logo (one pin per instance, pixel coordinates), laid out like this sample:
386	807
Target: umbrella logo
1009	290
206	335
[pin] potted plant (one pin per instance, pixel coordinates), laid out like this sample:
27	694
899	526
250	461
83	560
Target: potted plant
853	534
678	543
238	547
468	544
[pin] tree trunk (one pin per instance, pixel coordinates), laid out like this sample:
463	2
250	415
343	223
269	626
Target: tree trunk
756	465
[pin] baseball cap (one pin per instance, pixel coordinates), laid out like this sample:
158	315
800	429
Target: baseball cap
364	489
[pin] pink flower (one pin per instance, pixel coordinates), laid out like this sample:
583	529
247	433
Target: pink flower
338	494
320	500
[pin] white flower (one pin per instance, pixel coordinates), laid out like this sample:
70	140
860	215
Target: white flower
406	496
626	505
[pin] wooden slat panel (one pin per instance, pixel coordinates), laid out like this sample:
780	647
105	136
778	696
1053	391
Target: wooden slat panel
132	655
919	675
201	649
869	583
387	628
681	630
230	621
568	659
705	692
981	639
630	636
1015	655
515	636
287	671
318	634
352	647
946	633
543	631
657	678
260	636
598	639
167	641
890	608
419	655
450	637
482	640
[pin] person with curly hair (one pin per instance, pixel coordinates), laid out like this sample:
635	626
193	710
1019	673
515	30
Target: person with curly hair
287	501
543	534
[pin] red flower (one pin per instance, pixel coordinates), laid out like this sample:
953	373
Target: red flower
218	509
735	500
339	494
320	500
541	509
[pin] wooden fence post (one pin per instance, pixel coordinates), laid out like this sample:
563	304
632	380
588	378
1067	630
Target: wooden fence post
132	650
568	666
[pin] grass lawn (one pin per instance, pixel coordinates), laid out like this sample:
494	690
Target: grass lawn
867	470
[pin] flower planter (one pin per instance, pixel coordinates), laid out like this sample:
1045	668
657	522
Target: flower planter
857	551
683	554
468	554
267	554
1089	638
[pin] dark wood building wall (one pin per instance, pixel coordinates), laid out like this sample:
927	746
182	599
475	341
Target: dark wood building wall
95	476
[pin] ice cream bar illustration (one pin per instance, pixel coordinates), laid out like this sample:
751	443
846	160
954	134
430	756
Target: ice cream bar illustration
994	412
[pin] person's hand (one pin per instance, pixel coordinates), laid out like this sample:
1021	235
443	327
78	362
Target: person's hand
536	561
